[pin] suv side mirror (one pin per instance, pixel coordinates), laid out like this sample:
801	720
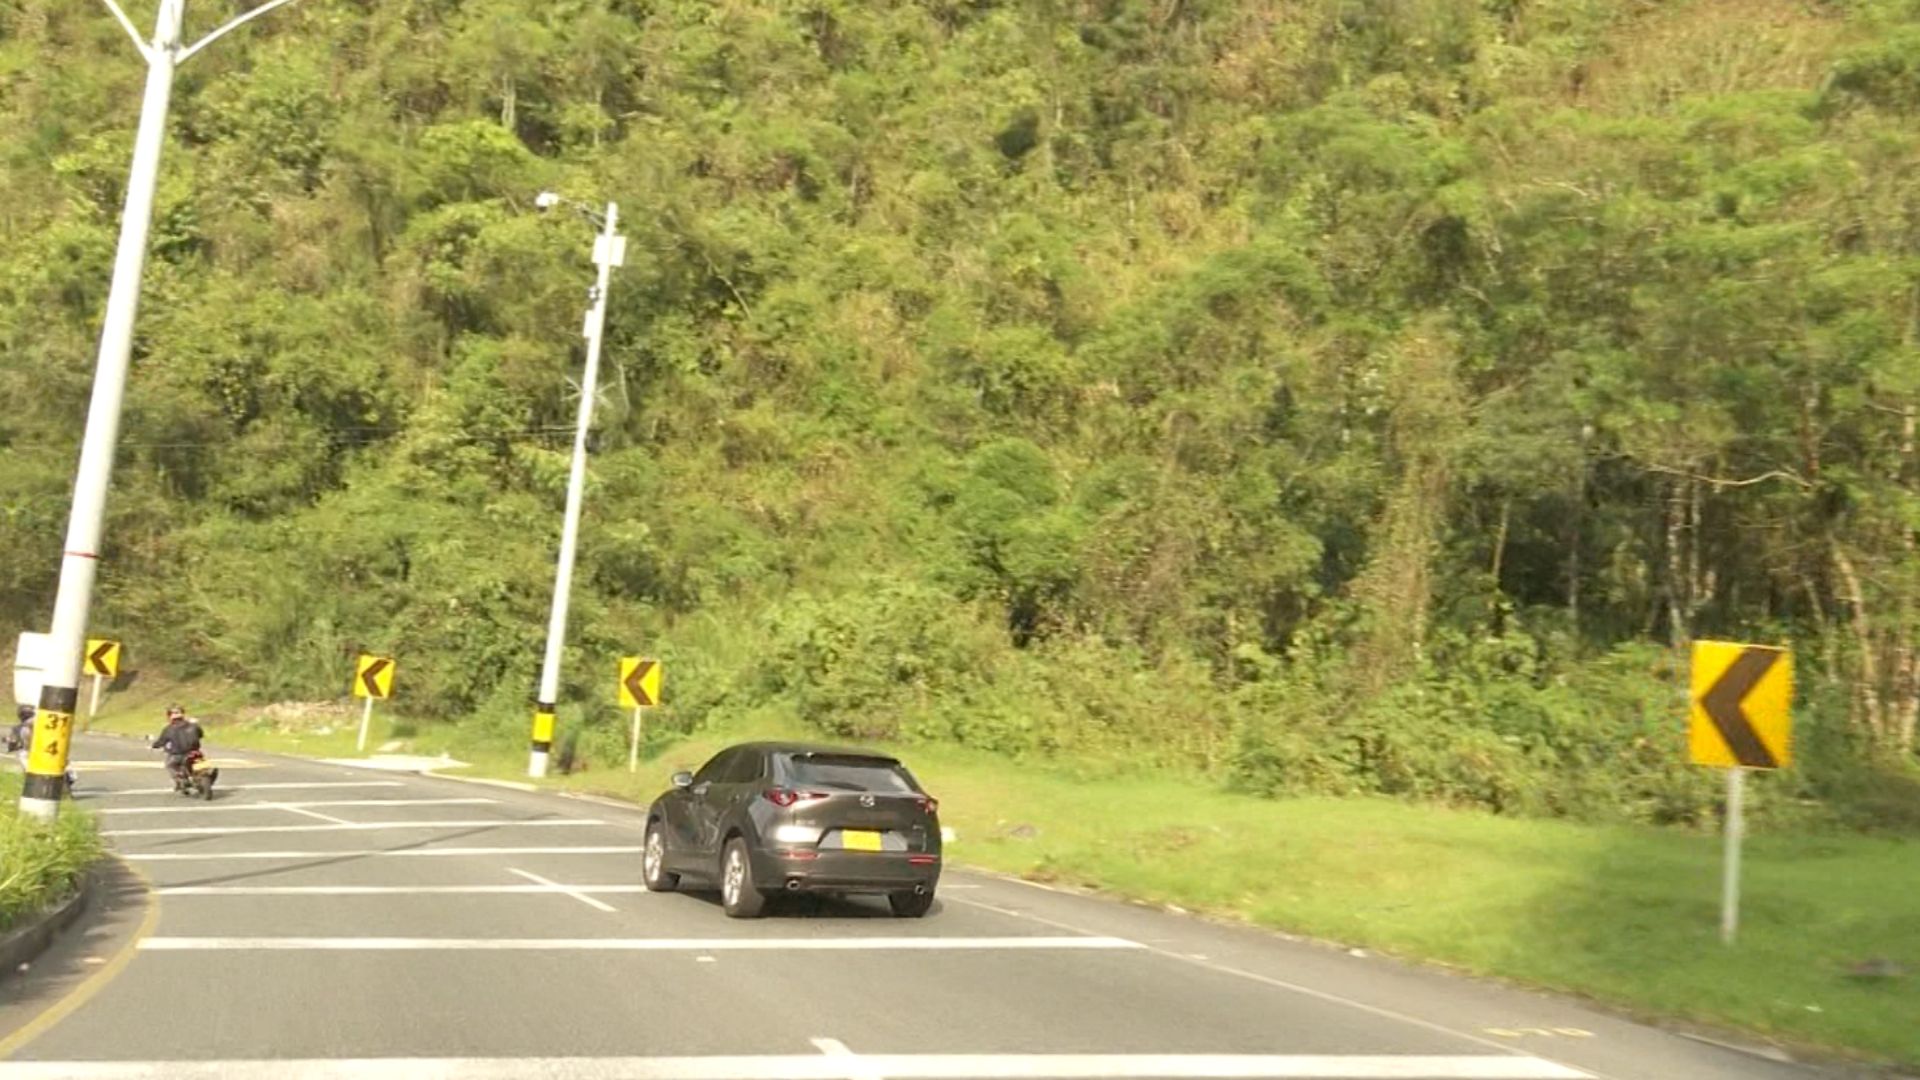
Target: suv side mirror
683	779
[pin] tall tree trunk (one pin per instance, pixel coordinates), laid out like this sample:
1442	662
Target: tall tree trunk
1396	587
1868	714
1678	631
1906	673
1494	617
1827	634
1578	520
1702	583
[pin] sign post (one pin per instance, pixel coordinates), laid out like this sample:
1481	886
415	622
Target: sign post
372	678
639	688
1741	719
1730	869
103	663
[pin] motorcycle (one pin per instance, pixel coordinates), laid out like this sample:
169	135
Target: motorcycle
194	781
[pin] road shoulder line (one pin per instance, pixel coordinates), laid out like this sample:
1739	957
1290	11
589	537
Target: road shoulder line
90	988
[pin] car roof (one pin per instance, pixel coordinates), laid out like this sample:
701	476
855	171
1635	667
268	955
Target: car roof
815	748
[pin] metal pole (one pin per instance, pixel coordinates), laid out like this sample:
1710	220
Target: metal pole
366	721
633	746
93	706
606	254
60	693
1736	829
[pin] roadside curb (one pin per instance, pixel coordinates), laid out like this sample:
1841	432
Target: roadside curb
24	944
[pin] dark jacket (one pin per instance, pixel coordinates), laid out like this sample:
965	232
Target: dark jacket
179	738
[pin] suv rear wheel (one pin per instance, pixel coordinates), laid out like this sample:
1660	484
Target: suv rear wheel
907	905
739	897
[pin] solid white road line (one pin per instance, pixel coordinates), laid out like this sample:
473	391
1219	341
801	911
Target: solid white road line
400	944
388	890
554	886
828	1067
403	853
256	787
305	804
357	826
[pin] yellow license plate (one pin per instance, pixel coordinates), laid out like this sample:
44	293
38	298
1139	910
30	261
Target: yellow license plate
856	840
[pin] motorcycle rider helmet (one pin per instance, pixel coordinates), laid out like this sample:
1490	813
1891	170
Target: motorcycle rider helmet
24	713
175	712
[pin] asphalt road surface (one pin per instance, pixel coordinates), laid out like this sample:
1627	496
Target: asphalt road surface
321	920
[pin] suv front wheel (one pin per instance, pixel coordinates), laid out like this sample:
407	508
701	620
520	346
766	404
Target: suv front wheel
653	861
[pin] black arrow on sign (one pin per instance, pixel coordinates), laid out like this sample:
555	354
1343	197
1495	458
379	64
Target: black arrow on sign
636	682
1722	702
98	657
370	678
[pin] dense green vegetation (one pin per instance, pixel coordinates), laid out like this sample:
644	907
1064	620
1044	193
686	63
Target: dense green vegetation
1322	396
40	865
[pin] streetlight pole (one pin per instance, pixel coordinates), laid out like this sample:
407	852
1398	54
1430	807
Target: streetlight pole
609	251
60	687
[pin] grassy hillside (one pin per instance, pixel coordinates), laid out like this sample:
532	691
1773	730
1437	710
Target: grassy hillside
1319	397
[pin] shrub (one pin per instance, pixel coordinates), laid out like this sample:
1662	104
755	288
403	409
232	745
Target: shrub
40	864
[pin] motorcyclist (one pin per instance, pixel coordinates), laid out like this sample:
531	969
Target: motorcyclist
19	735
180	738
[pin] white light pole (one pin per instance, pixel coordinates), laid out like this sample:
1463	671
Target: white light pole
609	251
60	690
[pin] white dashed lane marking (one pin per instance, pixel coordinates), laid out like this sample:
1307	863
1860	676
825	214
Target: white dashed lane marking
831	1067
233	807
225	789
705	945
402	853
358	826
394	890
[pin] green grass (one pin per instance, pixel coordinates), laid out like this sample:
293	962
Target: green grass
39	864
1627	915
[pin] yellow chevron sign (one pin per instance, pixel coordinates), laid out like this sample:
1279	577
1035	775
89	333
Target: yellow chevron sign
1742	706
639	682
373	677
103	658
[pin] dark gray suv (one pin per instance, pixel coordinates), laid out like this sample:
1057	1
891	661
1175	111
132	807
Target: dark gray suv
764	818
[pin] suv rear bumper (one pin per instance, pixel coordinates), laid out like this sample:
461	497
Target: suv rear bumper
803	870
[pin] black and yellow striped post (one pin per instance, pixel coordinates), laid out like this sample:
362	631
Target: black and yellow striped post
52	746
542	736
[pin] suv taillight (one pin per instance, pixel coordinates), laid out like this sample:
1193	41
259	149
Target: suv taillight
929	805
780	796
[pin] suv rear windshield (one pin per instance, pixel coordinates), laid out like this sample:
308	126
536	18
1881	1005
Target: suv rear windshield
841	772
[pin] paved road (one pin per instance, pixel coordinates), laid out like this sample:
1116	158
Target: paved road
319	920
